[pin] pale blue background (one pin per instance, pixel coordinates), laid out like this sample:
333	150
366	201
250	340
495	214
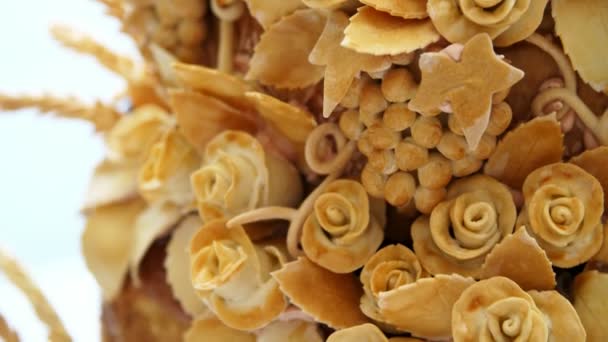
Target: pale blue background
45	163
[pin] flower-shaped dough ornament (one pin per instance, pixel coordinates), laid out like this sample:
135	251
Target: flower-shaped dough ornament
232	276
132	137
345	228
390	268
563	211
497	309
505	21
466	86
477	214
128	142
177	267
164	175
238	175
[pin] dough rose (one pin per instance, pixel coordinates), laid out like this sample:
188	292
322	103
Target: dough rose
506	21
390	268
344	229
164	175
497	309
232	276
477	214
563	210
238	175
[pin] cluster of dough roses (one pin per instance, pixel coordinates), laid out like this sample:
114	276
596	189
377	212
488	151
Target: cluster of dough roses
352	170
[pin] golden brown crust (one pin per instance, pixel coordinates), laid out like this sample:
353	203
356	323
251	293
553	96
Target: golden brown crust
591	303
507	22
408	9
401	307
578	27
342	233
211	82
133	135
520	152
493	309
231	275
461	85
239	175
379	33
519	257
594	161
281	61
331	298
295	123
563	209
268	12
390	268
197	126
479	212
565	323
164	175
342	65
177	268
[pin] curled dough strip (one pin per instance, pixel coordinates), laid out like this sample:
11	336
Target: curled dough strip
562	62
297	222
502	13
45	312
573	101
474	222
227	16
316	143
297	216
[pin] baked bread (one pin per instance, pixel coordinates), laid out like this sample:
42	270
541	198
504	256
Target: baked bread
309	170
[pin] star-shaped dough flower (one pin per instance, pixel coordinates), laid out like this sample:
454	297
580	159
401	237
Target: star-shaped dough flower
342	64
466	85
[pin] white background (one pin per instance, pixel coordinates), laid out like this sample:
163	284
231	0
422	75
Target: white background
45	162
